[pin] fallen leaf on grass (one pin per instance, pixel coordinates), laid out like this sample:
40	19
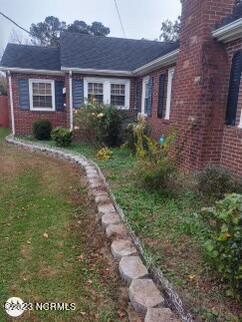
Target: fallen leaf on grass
45	235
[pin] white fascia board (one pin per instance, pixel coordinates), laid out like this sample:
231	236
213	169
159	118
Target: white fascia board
93	71
165	60
229	32
31	71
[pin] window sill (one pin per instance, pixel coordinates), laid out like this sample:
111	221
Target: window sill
42	110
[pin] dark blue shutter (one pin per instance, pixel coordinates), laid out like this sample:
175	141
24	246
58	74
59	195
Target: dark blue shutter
78	93
150	98
161	99
59	96
139	94
234	86
24	94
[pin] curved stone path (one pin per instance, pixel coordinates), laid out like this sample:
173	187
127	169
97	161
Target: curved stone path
144	295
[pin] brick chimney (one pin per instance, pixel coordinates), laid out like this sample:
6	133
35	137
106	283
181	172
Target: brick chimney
200	86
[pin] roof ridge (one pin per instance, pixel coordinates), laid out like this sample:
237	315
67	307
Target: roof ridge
120	38
36	46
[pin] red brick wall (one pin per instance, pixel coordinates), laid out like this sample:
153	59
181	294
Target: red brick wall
231	155
24	119
4	120
200	91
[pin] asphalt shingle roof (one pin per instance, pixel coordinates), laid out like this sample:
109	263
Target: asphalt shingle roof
84	51
236	14
32	57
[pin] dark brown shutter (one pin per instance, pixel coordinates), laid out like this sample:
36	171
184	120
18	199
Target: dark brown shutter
234	86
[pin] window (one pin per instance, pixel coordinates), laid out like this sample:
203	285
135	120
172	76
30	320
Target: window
234	91
95	92
118	95
145	99
171	73
42	95
110	91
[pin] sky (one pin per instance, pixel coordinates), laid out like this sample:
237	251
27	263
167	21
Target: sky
141	18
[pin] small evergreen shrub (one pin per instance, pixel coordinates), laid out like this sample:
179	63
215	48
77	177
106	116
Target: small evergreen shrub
62	136
42	129
214	182
223	249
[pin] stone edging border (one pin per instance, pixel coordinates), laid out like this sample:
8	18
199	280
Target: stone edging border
143	293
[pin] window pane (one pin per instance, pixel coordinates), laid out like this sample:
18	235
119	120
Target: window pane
95	98
117	100
42	95
117	89
95	88
42	101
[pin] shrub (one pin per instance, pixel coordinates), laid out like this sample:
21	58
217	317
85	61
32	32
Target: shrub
223	249
214	182
104	154
62	136
156	166
101	123
42	129
131	133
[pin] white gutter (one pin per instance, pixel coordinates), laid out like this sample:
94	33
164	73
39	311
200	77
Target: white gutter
93	71
165	60
229	32
31	71
70	100
11	102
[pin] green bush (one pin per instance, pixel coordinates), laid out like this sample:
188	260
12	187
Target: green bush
223	249
156	165
62	136
42	129
102	124
131	136
214	182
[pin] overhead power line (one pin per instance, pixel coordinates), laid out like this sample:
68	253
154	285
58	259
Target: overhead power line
120	19
15	23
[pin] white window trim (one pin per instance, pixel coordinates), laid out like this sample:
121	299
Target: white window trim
107	89
240	123
48	81
171	72
144	82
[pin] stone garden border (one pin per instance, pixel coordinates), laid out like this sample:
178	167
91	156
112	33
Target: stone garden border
144	295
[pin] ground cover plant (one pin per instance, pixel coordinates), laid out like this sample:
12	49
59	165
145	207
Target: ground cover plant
173	230
46	255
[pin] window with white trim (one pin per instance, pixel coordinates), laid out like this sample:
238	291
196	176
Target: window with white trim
118	95
171	73
145	95
110	91
95	92
42	95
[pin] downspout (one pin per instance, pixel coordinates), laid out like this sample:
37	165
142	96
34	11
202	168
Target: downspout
11	101
70	100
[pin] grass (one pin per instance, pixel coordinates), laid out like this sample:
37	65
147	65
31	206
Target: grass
172	233
48	251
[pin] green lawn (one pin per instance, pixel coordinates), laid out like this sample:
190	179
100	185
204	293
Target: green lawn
51	247
172	234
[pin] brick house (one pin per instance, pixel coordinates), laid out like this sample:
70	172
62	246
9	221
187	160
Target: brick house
194	85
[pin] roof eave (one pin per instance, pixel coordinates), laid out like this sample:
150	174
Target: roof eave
166	60
93	71
31	71
229	32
